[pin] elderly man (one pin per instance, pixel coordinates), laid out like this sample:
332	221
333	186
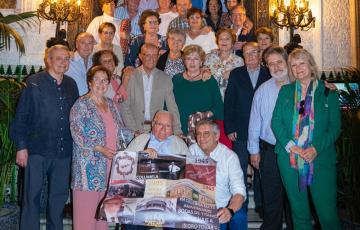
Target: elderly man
243	33
161	141
149	90
243	82
261	140
230	192
108	9
81	61
41	132
130	11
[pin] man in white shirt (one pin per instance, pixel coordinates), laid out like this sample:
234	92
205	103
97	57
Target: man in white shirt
149	89
81	61
108	9
230	192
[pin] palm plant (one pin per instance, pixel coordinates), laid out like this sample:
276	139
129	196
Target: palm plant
10	90
7	31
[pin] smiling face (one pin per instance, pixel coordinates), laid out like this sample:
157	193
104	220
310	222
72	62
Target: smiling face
193	62
195	21
162	126
182	6
264	41
99	84
277	66
85	45
133	5
109	8
107	60
164	4
58	61
151	25
251	56
175	42
206	138
213	7
230	4
149	56
300	69
238	16
225	42
107	35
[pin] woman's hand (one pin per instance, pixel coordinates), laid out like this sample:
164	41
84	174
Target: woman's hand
152	152
205	30
297	150
226	75
121	93
205	73
108	153
309	154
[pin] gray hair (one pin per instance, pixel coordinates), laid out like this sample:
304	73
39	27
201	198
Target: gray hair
212	123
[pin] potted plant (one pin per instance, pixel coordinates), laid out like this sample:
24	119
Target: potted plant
348	149
10	90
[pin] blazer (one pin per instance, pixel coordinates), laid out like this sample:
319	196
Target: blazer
161	95
238	99
245	38
326	122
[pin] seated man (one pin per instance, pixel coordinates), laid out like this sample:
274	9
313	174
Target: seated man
161	141
230	191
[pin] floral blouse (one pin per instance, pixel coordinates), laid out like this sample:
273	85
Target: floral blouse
219	67
174	67
88	130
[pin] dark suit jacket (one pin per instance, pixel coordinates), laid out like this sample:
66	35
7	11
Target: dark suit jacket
249	37
238	99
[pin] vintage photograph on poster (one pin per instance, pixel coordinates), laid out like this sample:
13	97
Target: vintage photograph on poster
201	169
170	167
127	188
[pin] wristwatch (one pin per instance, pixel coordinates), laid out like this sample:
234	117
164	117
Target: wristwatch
231	211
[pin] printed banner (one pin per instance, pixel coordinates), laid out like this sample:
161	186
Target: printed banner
172	191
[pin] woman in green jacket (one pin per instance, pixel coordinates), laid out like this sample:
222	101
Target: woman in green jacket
306	124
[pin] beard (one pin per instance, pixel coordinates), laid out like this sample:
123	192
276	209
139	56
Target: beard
280	75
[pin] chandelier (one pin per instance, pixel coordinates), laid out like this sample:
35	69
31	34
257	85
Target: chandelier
60	11
293	14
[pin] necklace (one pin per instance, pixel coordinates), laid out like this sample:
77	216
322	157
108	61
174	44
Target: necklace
191	78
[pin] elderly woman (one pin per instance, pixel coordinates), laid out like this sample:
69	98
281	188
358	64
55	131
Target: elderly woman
213	14
166	15
171	62
97	134
265	38
192	94
195	34
306	124
223	60
116	91
149	24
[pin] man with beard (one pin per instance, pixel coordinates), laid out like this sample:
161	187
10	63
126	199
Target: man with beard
261	140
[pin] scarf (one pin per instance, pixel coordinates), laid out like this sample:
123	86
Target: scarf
303	127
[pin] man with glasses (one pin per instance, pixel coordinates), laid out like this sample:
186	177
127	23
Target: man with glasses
230	189
243	33
149	90
243	82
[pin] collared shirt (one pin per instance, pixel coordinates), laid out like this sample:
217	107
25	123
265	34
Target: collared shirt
122	13
261	114
94	25
148	5
77	71
147	83
229	176
41	124
162	147
254	75
182	23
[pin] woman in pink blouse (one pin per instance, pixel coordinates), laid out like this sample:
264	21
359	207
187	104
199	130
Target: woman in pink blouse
97	134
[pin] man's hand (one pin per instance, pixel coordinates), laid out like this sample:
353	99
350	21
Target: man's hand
224	215
232	136
205	74
22	157
205	30
255	160
309	154
108	153
152	152
121	94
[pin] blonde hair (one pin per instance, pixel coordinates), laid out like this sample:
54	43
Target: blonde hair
307	56
194	49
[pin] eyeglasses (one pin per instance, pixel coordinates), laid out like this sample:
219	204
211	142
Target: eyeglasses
153	22
161	125
99	81
302	107
203	135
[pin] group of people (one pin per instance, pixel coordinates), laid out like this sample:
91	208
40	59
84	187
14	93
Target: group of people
212	86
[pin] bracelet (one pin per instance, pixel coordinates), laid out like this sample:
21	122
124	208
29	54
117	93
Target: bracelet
231	211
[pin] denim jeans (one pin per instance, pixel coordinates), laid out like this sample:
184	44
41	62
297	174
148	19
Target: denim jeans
237	222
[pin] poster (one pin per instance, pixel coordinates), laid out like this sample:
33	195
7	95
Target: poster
172	191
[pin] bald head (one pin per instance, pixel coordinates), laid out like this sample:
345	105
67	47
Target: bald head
162	125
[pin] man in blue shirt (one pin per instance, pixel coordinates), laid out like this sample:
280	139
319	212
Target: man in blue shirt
41	133
261	140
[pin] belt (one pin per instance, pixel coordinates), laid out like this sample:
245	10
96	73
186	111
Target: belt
147	122
265	145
